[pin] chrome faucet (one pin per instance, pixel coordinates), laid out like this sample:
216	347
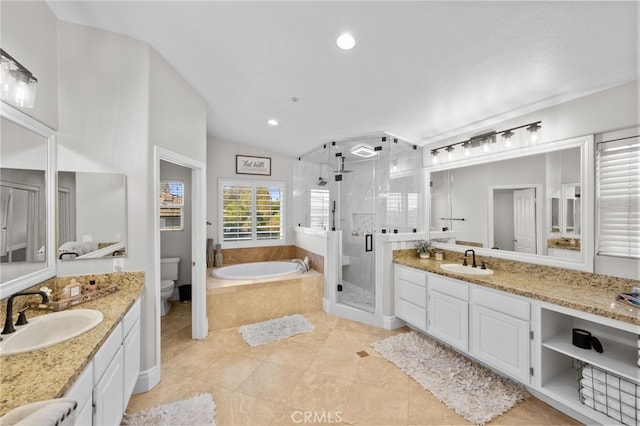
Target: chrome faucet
474	264
304	264
8	322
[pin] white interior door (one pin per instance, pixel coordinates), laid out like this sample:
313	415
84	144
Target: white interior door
5	207
524	224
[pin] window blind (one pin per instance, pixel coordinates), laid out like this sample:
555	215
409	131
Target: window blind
319	208
171	206
251	211
618	198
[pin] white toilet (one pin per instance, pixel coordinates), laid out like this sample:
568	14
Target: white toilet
168	277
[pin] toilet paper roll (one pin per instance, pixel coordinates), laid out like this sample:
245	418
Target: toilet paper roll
581	338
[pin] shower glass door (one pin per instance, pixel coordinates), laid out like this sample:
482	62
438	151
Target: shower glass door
355	178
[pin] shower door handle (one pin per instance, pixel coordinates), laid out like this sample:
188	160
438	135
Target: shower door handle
368	242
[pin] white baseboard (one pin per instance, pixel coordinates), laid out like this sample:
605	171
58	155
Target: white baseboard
392	322
147	380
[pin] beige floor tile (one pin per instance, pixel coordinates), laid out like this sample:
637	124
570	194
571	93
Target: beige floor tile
320	393
245	410
336	363
354	326
347	340
377	371
293	354
272	382
228	370
173	343
370	405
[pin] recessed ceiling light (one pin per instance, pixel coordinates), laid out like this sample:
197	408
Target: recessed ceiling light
346	41
272	122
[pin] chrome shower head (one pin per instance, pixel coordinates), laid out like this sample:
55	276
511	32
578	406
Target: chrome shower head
322	181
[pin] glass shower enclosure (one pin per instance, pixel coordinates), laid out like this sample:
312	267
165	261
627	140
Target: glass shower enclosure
360	186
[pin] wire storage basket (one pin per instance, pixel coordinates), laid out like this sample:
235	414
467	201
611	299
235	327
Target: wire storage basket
608	393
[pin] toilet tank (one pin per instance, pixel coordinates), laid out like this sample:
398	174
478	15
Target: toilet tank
169	268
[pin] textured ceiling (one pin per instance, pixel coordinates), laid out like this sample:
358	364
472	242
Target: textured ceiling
421	70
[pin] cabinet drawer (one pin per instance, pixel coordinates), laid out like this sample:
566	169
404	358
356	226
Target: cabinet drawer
450	287
411	275
412	314
130	318
501	303
106	352
411	292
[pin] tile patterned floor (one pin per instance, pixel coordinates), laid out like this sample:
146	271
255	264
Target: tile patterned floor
317	377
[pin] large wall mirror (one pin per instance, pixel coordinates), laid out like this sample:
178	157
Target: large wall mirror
92	215
534	204
27	214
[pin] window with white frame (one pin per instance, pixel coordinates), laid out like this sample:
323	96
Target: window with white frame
319	209
618	198
251	212
171	205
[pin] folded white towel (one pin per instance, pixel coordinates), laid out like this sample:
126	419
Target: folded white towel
600	376
623	418
51	412
611	402
625	392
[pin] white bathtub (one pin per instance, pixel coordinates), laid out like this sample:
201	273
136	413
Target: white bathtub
255	270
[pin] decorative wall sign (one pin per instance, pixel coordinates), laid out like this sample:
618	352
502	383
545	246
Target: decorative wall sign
246	165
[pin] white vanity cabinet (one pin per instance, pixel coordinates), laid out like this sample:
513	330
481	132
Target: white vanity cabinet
500	332
105	386
131	350
560	360
411	296
82	391
448	311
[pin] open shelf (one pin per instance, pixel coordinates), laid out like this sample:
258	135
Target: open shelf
618	358
564	388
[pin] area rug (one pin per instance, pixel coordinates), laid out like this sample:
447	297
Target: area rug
273	330
474	392
197	411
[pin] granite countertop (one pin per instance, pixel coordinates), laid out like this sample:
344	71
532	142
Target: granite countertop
582	291
50	372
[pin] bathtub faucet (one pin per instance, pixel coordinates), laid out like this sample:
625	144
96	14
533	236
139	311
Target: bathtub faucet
304	264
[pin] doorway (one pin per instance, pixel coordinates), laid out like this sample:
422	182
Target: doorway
515	218
197	260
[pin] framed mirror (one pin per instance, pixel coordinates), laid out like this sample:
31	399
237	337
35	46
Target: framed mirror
533	204
92	215
27	207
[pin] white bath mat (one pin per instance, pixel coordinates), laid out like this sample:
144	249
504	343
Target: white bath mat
199	410
273	330
474	392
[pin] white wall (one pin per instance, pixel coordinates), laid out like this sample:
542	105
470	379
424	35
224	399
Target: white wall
119	98
101	198
28	31
221	163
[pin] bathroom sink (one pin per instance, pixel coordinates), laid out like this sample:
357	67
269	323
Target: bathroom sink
50	329
468	270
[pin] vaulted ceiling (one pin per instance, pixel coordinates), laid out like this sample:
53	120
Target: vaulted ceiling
423	70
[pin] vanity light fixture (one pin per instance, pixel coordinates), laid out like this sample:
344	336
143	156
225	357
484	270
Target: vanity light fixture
364	151
506	138
17	83
449	150
346	41
486	140
533	130
272	122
